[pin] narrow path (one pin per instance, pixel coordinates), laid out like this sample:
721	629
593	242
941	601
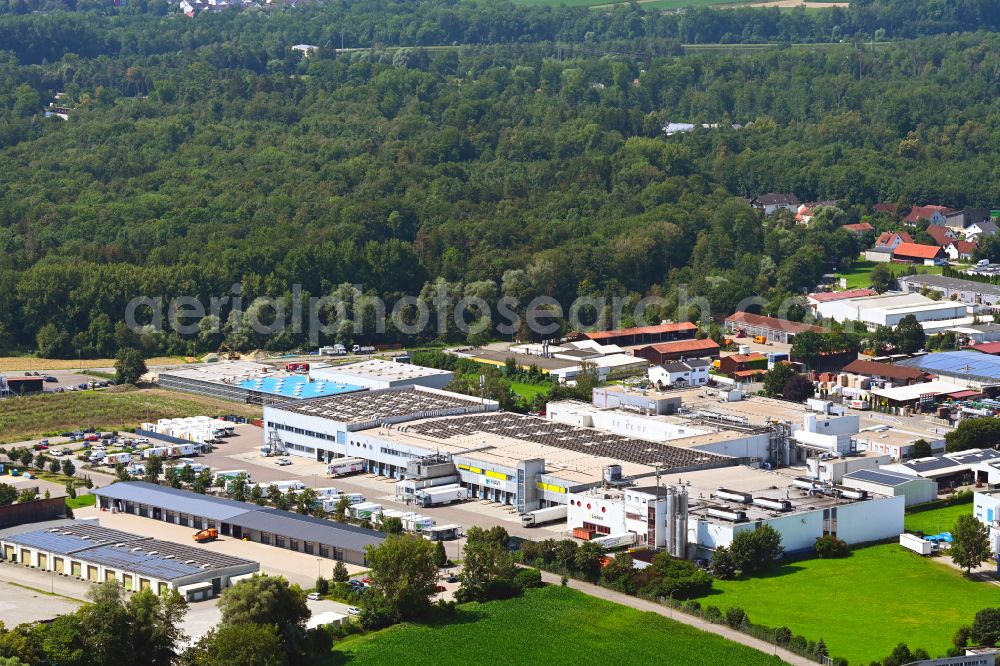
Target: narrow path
678	616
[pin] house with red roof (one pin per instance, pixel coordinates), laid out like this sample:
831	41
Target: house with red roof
961	250
859	228
943	236
933	214
915	253
892	239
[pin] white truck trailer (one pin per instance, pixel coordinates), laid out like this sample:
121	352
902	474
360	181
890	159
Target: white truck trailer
230	474
112	459
364	510
439	495
616	540
541	516
916	544
154	451
344	466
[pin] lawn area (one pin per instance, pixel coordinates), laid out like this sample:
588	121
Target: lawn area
859	277
52	413
552	625
864	605
81	501
934	521
529	391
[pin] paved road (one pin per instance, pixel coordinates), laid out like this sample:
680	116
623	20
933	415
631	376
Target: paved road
696	622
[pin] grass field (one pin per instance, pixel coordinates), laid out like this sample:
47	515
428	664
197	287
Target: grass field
859	277
934	521
864	605
552	625
52	413
529	391
22	363
81	501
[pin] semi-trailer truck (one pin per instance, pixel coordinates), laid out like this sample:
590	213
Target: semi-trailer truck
440	495
542	516
344	466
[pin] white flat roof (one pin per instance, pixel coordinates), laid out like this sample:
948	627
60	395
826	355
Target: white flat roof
916	390
377	368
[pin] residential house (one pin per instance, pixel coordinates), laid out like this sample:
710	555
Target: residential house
693	372
961	220
743	367
933	214
892	239
914	253
772	202
859	228
807	211
983	229
943	236
961	250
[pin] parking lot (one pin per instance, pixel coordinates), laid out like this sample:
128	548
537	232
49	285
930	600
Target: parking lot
19	604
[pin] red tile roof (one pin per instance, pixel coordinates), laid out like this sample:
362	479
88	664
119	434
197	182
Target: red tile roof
943	236
823	297
860	227
747	358
772	323
916	251
749	373
681	346
925	212
886	237
643	330
875	369
992	348
965	247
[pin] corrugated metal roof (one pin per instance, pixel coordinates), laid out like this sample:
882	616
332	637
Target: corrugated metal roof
308	528
772	323
182	501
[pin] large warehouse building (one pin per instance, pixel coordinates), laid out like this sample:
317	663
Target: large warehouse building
98	554
251	383
966	368
241	520
378	374
524	461
890	309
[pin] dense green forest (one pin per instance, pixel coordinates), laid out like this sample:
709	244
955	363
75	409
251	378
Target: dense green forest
203	153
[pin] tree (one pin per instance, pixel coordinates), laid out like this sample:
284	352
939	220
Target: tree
40	461
488	567
228	644
322	585
807	346
67	467
106	626
340	573
154	467
129	366
588	560
27	495
723	566
54	466
756	550
440	556
257	495
981	433
910	336
798	388
618	573
268	600
775	379
305	500
392	525
8	494
970	545
921	449
403	576
986	627
71	490
238	487
340	510
882	278
155	623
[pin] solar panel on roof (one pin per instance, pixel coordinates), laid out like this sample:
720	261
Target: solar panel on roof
880	476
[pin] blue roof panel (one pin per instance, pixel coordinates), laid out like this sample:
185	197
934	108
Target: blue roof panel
971	364
298	386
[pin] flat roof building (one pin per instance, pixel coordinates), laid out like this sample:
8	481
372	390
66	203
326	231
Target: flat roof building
97	554
644	335
966	291
378	374
282	529
915	489
966	368
890	309
249	382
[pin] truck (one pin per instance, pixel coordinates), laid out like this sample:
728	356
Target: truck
112	459
154	451
364	510
339	350
344	466
206	535
358	349
330	502
297	367
916	544
542	516
96	457
615	540
440	495
178	450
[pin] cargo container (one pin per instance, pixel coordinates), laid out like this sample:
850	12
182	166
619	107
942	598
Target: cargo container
230	474
916	544
542	516
154	451
344	466
583	533
616	540
440	495
364	510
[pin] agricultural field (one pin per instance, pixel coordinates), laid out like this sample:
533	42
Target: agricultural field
23	363
936	520
859	277
560	625
52	413
820	599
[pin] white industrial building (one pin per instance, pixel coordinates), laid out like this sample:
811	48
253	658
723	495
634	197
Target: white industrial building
831	468
889	309
955	469
378	374
693	372
524	461
832	434
650	516
915	489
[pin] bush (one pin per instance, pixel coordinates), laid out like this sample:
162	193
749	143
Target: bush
322	585
528	578
713	614
736	617
986	627
830	547
782	635
798	643
693	607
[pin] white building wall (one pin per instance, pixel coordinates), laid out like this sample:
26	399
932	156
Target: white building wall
986	507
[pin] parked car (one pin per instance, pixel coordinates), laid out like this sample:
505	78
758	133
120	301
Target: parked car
356	584
282	462
42	445
452	578
82	387
440	588
313	596
50	379
67	434
353	610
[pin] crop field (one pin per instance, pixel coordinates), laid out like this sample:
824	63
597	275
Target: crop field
52	413
23	363
551	625
836	600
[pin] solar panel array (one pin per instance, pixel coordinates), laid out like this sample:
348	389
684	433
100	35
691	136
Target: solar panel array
561	436
129	552
971	364
880	476
377	405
